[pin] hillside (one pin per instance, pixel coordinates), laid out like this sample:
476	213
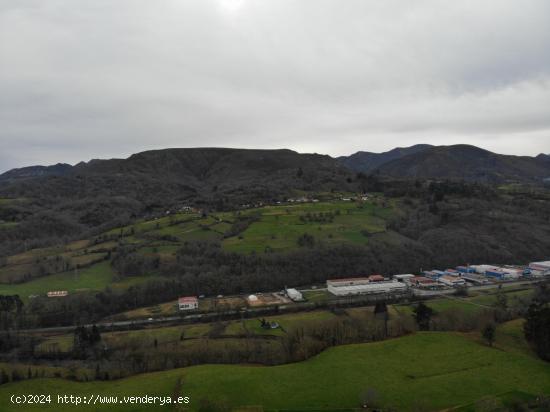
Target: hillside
100	194
59	169
468	163
369	161
425	369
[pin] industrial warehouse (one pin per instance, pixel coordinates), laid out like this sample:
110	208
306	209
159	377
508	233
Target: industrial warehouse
435	279
364	285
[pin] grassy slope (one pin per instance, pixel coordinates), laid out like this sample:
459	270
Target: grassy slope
444	369
280	226
95	277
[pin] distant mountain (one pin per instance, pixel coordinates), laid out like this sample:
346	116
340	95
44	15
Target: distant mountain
166	177
59	169
544	157
369	161
70	201
468	163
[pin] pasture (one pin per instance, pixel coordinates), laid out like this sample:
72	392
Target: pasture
95	277
428	371
279	227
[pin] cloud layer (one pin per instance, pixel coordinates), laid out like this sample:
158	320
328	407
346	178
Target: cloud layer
82	79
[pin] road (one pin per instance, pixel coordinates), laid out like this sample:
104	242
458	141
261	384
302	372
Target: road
205	317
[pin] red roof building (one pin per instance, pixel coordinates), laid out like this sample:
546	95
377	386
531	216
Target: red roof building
188	303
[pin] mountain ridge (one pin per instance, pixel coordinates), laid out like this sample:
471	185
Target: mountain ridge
366	162
466	162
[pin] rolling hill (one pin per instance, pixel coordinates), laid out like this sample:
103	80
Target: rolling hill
71	201
368	161
424	369
59	169
464	162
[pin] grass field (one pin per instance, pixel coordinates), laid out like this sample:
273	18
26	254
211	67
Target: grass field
286	322
95	277
279	227
437	370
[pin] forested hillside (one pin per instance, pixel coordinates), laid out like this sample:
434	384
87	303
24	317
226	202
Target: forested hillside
42	208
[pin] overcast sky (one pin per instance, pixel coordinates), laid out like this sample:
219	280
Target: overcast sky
82	79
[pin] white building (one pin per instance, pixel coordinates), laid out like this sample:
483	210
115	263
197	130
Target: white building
188	303
512	273
252	299
452	281
540	268
294	295
481	269
57	293
367	288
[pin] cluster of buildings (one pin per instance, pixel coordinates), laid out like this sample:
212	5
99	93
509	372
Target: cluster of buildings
373	284
398	284
476	275
436	279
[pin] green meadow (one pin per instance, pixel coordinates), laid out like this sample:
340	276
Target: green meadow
279	227
95	277
428	371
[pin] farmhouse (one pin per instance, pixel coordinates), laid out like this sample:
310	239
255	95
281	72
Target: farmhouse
188	303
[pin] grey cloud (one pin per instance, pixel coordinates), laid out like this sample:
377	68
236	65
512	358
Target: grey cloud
81	79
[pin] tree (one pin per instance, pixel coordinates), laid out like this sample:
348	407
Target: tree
502	300
95	336
489	333
537	329
381	312
306	240
423	316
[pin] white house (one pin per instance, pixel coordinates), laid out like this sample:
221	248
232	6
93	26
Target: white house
188	303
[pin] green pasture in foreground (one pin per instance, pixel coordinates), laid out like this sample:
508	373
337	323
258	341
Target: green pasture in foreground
279	227
440	369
